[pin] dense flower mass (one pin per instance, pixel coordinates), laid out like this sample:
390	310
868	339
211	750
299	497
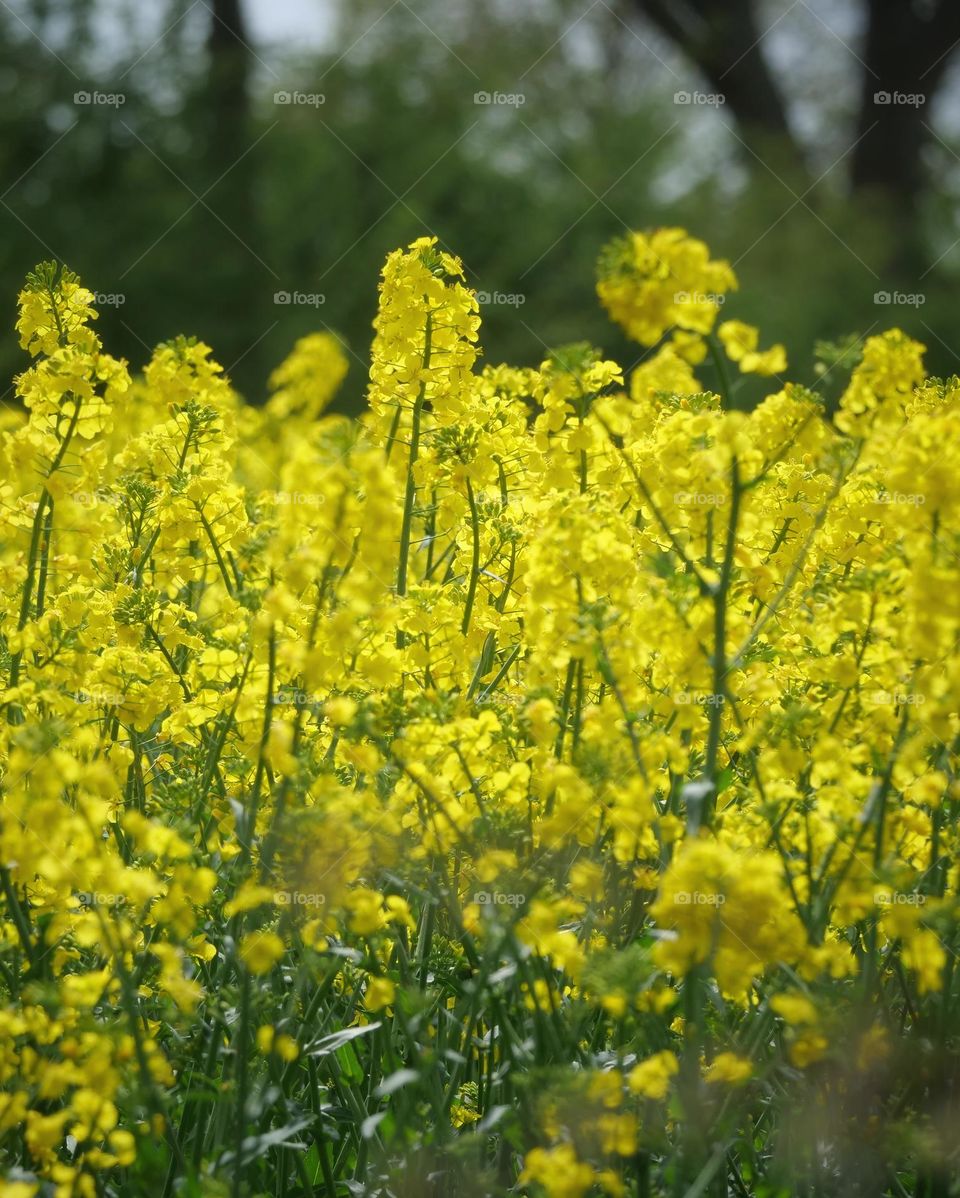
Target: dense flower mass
545	783
651	282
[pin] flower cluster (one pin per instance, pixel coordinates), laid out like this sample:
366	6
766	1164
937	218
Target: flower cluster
548	779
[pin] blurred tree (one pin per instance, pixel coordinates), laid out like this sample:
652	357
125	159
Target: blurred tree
229	74
223	103
524	136
907	47
724	39
907	50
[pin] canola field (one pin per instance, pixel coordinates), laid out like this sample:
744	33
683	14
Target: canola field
544	784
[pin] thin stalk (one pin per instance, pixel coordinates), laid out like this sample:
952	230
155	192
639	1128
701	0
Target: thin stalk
242	1081
720	599
475	561
410	494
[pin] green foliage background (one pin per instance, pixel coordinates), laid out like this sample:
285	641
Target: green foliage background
199	197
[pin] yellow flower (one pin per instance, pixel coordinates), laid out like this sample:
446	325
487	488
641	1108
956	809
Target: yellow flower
558	1170
380	993
729	1068
340	711
650	282
366	908
261	950
727	908
306	382
250	896
283	1045
651	1078
808	1048
925	954
740	341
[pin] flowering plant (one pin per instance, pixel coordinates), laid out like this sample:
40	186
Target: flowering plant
547	780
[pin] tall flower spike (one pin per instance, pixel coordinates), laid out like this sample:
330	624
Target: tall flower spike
305	383
648	283
55	310
425	344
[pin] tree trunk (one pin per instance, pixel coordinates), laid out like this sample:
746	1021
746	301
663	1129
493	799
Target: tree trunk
905	59
908	46
723	39
228	79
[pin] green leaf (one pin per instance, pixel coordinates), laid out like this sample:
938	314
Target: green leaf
328	1044
253	1147
396	1081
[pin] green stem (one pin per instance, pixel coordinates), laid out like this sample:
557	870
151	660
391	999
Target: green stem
717	358
242	1055
14	716
251	828
410	494
224	573
19	918
720	600
475	562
